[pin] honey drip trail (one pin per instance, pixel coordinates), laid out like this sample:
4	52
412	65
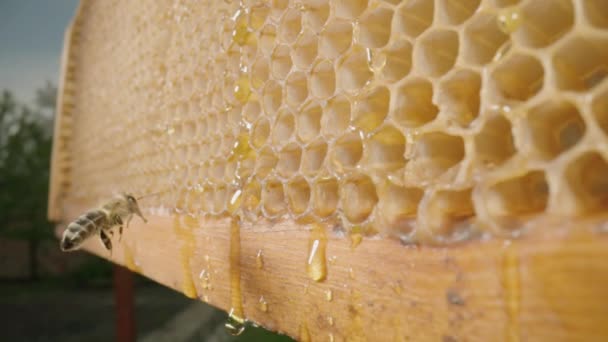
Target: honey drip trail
236	320
187	249
316	263
512	292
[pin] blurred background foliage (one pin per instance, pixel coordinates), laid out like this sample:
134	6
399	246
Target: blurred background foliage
25	151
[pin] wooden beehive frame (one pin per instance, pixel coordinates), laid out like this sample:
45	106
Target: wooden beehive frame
549	285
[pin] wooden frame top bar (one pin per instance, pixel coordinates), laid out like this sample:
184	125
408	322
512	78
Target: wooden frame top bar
551	287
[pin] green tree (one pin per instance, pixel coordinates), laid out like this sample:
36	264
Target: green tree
25	149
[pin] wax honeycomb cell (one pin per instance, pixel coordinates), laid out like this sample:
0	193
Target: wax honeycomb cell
427	121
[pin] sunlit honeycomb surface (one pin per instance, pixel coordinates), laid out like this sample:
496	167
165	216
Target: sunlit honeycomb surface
426	121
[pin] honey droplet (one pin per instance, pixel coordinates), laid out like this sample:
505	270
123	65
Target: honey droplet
259	260
130	260
330	320
242	89
509	20
252	196
397	288
235	325
329	295
332	259
235	201
355	239
351	273
205	280
502	51
241	32
263	304
316	266
376	60
356	30
331	337
304	334
241	149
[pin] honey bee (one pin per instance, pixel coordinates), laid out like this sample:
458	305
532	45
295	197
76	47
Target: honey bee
115	212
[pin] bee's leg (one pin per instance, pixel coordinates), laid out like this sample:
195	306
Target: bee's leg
105	240
129	220
119	222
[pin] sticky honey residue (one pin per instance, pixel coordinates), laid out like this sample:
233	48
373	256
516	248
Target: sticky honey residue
236	321
329	295
235	201
509	20
512	292
205	279
355	237
351	273
304	333
259	260
242	89
263	304
356	330
129	260
316	264
241	34
242	149
375	60
397	288
186	238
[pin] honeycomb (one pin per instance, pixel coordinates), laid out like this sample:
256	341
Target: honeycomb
424	121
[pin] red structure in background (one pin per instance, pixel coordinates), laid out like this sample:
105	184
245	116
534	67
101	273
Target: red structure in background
124	302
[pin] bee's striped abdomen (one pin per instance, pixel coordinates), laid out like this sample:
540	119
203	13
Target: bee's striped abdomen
85	226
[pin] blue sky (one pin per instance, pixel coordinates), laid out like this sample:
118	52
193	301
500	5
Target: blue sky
31	39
